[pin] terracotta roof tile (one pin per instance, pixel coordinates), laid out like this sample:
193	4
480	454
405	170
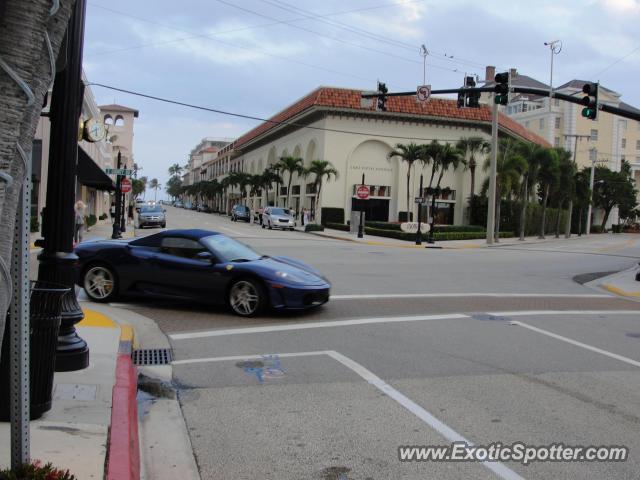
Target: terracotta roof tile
351	99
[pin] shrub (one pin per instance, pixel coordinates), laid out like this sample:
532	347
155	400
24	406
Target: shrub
104	216
36	471
458	228
338	226
597	229
383	225
402	216
34	225
90	220
332	215
617	228
313	227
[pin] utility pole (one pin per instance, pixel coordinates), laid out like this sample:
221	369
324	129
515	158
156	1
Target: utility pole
593	167
555	47
419	233
491	216
567	232
57	260
361	224
424	52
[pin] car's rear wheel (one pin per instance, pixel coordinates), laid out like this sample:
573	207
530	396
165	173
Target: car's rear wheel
100	283
247	297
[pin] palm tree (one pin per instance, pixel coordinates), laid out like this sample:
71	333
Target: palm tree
565	187
155	185
449	156
410	153
472	147
232	180
291	165
321	169
548	175
144	181
269	177
510	166
531	153
244	180
256	183
175	170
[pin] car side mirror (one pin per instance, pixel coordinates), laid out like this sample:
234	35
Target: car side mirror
205	257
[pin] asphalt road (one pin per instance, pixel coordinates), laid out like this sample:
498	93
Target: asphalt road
416	347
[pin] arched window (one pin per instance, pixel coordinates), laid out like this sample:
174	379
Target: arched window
108	120
119	121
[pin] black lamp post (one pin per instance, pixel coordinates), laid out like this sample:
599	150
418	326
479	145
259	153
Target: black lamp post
419	233
57	260
116	218
361	224
434	192
123	204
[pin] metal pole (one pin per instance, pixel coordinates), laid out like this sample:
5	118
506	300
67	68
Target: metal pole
593	167
491	214
19	331
419	234
116	218
551	80
361	224
123	206
567	231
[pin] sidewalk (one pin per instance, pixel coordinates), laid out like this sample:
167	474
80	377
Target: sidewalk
623	283
73	434
101	230
448	244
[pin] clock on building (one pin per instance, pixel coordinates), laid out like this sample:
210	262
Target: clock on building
94	130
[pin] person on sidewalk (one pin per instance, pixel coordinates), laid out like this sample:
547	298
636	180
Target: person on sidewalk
305	217
130	214
79	222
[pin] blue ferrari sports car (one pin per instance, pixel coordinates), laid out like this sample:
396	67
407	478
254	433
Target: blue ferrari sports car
201	265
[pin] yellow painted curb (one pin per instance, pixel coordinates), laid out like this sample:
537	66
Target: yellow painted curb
619	291
96	319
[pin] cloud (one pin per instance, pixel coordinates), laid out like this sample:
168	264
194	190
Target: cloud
621	7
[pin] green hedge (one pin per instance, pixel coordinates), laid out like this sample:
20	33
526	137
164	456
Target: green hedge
104	216
338	226
332	215
458	228
91	220
443	236
383	225
313	227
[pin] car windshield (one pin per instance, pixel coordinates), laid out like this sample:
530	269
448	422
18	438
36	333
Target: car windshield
229	250
279	211
151	209
242	208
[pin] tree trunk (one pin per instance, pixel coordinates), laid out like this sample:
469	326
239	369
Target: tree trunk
544	212
317	210
22	47
472	168
289	190
607	212
408	192
523	207
567	230
558	219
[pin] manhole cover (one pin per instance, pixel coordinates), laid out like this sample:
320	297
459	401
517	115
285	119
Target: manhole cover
633	334
152	356
487	317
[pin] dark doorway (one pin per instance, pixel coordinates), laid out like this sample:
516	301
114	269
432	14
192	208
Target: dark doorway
376	209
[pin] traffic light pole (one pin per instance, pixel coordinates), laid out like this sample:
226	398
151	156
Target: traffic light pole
361	224
593	168
491	216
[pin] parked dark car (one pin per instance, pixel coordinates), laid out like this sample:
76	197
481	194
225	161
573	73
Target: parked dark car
203	208
240	212
187	205
152	216
178	204
198	265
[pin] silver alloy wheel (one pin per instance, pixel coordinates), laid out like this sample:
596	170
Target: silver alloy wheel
244	298
99	282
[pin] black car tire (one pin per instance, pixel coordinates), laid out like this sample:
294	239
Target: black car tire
247	297
263	225
103	289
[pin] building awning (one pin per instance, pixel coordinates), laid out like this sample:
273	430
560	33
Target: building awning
91	175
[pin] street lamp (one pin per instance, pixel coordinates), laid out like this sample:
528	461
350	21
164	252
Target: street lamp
555	47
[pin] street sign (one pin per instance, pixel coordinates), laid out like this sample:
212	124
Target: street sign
424	92
362	192
412	227
420	200
118	171
125	185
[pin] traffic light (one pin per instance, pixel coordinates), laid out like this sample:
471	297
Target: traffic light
502	88
473	98
462	98
590	101
382	97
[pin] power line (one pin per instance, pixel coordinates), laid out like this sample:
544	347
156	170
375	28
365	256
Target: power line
253	117
616	62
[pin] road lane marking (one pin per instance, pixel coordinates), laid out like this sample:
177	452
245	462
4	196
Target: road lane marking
524	313
578	344
454	295
305	326
235	232
619	291
429	419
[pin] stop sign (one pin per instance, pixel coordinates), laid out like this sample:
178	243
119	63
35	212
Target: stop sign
125	185
362	192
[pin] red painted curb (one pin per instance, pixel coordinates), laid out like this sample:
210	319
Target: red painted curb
124	448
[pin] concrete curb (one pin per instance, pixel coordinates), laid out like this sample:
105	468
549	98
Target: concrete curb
123	456
619	291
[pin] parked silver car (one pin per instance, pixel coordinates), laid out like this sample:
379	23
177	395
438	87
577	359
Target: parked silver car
278	217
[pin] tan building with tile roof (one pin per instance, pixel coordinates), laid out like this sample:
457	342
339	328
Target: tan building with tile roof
337	125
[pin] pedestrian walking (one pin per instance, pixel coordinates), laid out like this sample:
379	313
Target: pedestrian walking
305	216
79	221
130	213
112	212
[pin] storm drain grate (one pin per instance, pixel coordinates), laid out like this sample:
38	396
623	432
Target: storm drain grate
488	317
152	356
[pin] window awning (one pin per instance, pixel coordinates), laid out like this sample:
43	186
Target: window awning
91	175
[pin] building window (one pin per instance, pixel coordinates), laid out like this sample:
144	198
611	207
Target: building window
594	135
558	120
637	144
108	120
624	143
541	124
119	121
593	155
295	190
556	142
310	189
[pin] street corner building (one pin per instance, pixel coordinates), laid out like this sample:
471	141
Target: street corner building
338	125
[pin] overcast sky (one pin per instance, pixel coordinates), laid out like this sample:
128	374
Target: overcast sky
256	57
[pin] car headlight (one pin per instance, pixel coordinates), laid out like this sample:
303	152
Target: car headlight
290	277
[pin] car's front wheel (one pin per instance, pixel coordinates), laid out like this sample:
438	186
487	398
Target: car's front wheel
247	297
99	283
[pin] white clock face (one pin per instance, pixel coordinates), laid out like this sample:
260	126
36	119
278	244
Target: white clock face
95	130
